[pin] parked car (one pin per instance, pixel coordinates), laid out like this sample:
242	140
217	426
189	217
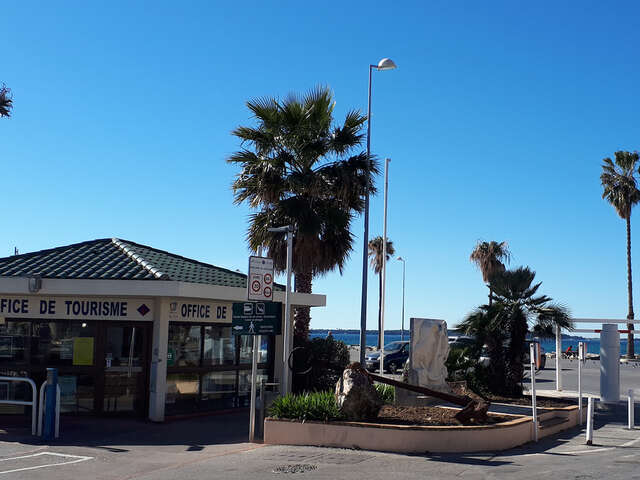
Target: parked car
395	356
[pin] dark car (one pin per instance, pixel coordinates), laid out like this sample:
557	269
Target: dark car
395	356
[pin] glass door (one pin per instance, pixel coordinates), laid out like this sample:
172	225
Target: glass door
125	369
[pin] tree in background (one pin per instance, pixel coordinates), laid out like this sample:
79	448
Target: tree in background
620	190
489	257
6	101
301	170
376	258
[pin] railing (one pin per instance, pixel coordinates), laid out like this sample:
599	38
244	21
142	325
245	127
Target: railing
33	403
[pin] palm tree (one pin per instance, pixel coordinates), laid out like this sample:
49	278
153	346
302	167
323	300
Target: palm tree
6	101
375	255
300	169
620	190
488	257
517	307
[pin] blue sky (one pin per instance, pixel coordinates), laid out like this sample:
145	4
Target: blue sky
496	121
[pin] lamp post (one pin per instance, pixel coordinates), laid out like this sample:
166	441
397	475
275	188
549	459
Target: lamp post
288	229
404	264
384	263
384	64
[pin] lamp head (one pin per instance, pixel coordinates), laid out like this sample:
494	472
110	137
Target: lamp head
386	64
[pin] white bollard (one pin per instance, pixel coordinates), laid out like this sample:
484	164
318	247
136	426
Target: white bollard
590	421
630	410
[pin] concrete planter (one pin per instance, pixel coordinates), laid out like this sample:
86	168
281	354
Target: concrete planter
419	439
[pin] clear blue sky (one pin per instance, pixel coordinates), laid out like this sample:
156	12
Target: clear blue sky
496	120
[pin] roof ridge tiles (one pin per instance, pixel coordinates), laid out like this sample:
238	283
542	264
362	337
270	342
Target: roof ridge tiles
148	266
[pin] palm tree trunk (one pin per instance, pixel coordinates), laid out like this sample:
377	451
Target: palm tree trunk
490	292
630	316
380	311
302	315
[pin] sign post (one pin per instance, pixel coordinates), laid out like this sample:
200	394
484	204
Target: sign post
255	319
581	358
532	362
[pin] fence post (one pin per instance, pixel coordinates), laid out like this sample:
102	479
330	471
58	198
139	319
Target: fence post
532	363
630	407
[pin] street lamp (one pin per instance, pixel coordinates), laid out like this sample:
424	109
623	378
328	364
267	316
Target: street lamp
288	229
384	64
404	264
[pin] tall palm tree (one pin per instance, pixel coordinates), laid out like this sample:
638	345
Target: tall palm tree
488	257
620	190
375	257
300	169
6	101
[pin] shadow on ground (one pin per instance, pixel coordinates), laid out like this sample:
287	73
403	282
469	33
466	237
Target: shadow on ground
114	434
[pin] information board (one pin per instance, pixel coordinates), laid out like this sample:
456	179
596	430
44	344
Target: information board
257	318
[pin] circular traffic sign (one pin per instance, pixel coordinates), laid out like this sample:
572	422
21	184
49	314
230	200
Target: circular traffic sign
268	278
267	292
255	286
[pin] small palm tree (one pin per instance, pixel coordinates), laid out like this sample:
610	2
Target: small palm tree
376	256
620	190
299	169
516	307
503	327
488	257
6	101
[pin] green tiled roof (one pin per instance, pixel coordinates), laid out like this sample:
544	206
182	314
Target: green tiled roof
115	259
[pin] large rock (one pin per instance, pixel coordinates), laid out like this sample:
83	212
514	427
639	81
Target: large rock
355	394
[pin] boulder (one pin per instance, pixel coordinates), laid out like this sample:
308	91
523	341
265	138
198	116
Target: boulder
355	394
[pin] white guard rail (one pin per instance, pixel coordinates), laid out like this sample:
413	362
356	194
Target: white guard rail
34	405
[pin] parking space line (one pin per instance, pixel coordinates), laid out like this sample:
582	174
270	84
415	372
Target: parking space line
76	459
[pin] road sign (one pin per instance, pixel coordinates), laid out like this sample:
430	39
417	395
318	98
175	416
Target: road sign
260	279
257	318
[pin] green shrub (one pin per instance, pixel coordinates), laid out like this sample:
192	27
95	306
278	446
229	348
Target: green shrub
318	364
386	392
319	406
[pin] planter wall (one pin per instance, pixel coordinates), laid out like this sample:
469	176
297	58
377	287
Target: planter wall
416	439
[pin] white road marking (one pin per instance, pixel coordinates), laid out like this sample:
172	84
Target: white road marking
77	459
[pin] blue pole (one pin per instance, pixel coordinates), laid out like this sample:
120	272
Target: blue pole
50	391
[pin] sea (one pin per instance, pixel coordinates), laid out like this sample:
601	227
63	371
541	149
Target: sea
549	345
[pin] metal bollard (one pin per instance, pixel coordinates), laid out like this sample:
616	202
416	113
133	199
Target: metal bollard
51	390
630	406
590	421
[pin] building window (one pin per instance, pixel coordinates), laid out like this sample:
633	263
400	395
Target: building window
184	346
219	346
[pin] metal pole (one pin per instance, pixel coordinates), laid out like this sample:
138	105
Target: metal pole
558	354
287	314
384	262
403	278
630	406
254	374
532	364
590	421
581	357
365	249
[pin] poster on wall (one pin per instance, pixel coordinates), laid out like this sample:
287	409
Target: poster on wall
83	351
68	387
